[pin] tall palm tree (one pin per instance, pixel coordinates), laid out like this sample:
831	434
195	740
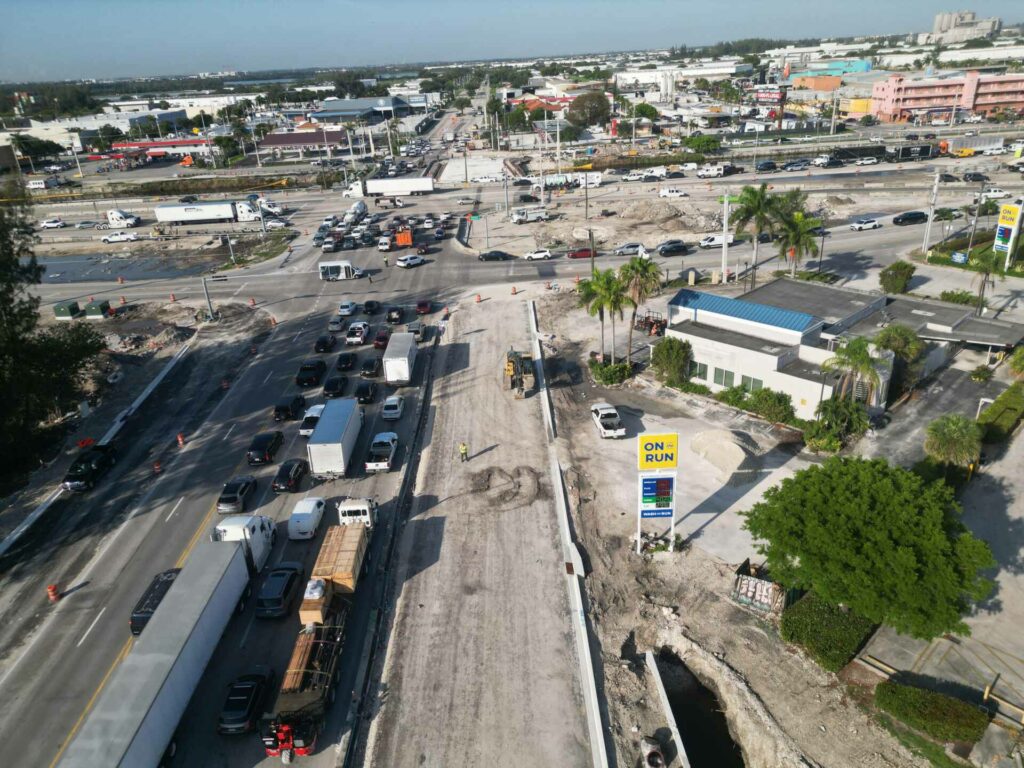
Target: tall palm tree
854	361
988	263
642	279
591	298
953	440
602	295
797	237
756	206
616	300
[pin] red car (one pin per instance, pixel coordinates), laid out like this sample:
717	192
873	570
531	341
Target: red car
423	307
580	253
380	341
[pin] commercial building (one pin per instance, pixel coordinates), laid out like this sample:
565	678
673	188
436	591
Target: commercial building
370	109
191	103
899	98
175	148
666	79
959	27
779	335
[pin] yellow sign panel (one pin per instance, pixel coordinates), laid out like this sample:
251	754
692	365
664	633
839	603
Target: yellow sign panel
1008	215
657	451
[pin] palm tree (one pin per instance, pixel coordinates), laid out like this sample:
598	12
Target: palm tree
616	300
756	205
901	341
602	294
953	440
797	237
642	279
592	299
854	361
988	263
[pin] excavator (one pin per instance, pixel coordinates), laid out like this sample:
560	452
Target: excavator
519	372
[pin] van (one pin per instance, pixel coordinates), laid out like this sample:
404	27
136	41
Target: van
716	241
710	172
305	518
524	215
357	511
119	218
672	192
150	600
384	244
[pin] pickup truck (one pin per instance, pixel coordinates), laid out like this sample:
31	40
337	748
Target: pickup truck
607	420
357	333
382	452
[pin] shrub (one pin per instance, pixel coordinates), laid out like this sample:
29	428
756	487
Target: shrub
820	438
608	374
671	360
771	405
1003	415
734	396
936	714
896	277
960	297
830	635
694	388
981	373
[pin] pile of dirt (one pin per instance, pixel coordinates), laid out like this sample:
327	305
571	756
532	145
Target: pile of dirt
650	211
733	454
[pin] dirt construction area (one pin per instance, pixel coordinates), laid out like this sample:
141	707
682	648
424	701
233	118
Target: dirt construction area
481	666
781	709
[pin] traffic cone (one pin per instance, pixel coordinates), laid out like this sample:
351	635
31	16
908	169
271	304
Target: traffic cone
157	469
273	320
513	290
577	279
52	592
181	440
173	299
252	302
124	300
478	298
120	281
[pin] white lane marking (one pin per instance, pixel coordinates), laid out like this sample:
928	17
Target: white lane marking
226	434
94	621
296	336
171	514
267	377
239	289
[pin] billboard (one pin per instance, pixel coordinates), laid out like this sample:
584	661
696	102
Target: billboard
1007	228
769	95
657	452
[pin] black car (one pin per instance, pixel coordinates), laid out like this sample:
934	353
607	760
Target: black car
521	183
289	475
394	315
264	447
673	248
910	217
833	162
335	386
289	409
675	175
766	166
147	605
529	199
188	199
88	467
912	137
974	176
947	177
371	367
346	361
245	701
325	343
371	307
280	589
495	256
310	373
366	392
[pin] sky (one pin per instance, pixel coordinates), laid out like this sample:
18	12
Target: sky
70	39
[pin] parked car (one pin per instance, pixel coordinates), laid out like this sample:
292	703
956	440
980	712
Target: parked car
862	224
309	421
245	701
281	589
495	256
325	343
335	386
393	408
910	217
264	447
366	392
310	373
580	253
289	408
235	494
289	475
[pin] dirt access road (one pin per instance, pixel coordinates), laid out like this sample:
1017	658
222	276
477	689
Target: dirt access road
481	667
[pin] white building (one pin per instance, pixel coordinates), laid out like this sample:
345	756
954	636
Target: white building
959	27
192	103
666	79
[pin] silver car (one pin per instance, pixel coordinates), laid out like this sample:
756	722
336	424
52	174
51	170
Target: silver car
235	495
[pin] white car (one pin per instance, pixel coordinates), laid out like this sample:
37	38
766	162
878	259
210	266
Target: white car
672	192
310	420
862	224
867	161
878	139
992	193
465	201
52	224
607	420
275	223
347	308
542	253
120	237
305	518
393	408
412	260
995	151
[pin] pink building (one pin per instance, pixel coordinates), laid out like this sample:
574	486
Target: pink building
898	99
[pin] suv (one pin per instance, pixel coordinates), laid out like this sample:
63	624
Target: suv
975	176
288	410
281	588
910	217
88	467
394	315
289	475
325	343
628	249
236	493
310	373
672	248
263	447
147	605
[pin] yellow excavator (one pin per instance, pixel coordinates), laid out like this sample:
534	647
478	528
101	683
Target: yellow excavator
519	372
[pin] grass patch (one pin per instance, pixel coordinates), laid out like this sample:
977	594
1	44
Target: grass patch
610	374
832	637
918	744
935	714
693	388
966	298
254	251
1000	419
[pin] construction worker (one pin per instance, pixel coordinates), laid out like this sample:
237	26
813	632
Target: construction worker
464	451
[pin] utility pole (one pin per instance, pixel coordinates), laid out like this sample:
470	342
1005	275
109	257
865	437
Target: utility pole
256	141
835	112
931	215
209	304
593	252
465	165
209	147
725	236
586	196
974	226
558	146
508	212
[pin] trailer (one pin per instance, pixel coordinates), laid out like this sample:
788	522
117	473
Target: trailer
333	441
857	151
195	213
400	359
415	185
965	146
134	719
898	153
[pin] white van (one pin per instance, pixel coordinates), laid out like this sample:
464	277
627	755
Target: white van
672	192
305	518
356	511
716	241
384	244
710	172
118	218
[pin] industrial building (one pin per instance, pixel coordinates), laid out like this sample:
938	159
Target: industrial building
900	98
959	27
370	110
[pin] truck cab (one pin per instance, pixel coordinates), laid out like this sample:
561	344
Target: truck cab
119	218
357	512
256	533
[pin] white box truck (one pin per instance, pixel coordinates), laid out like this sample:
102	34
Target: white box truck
116	218
400	359
256	534
333	442
418	185
525	215
194	213
133	721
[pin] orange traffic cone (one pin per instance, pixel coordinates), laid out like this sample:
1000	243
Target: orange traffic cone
181	440
478	299
173	299
53	593
513	290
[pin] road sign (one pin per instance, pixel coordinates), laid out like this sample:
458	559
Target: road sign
958	257
657	451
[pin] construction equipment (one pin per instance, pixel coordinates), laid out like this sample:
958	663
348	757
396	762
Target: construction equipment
651	323
519	372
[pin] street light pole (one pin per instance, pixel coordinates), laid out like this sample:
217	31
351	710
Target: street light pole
931	215
206	291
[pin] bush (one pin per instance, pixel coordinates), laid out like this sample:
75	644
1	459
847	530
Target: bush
896	277
771	405
982	373
734	396
1000	419
936	714
960	297
820	438
831	636
608	374
930	470
693	388
671	361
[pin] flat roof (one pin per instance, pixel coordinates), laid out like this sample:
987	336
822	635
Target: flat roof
827	302
732	338
765	313
802	369
940	321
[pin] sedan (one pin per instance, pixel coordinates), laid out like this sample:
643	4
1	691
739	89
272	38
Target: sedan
310	420
439	234
580	253
494	256
862	224
628	249
235	494
52	224
867	161
412	260
371	368
347	308
371	307
336	324
289	475
188	199
346	360
310	373
245	701
393	408
366	392
542	253
275	223
335	386
465	201
947	178
87	225
281	588
424	306
380	341
673	248
325	343
974	176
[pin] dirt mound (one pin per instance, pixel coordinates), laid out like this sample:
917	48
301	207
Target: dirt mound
733	454
650	211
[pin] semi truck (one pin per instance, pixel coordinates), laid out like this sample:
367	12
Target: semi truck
116	218
134	719
965	146
416	185
255	533
295	716
400	359
898	153
333	442
194	213
857	151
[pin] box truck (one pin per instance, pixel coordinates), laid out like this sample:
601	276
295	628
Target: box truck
967	146
256	534
194	213
116	218
400	359
525	215
133	721
417	185
333	441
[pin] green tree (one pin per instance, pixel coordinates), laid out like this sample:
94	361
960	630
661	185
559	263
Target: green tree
589	109
494	106
854	362
462	104
843	418
756	209
570	133
907	347
771	405
868	120
703	144
877	539
671	360
896	277
645	111
604	295
106	136
518	119
797	236
1017	362
953	440
642	279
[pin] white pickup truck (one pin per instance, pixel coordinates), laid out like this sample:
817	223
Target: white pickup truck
382	452
607	420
